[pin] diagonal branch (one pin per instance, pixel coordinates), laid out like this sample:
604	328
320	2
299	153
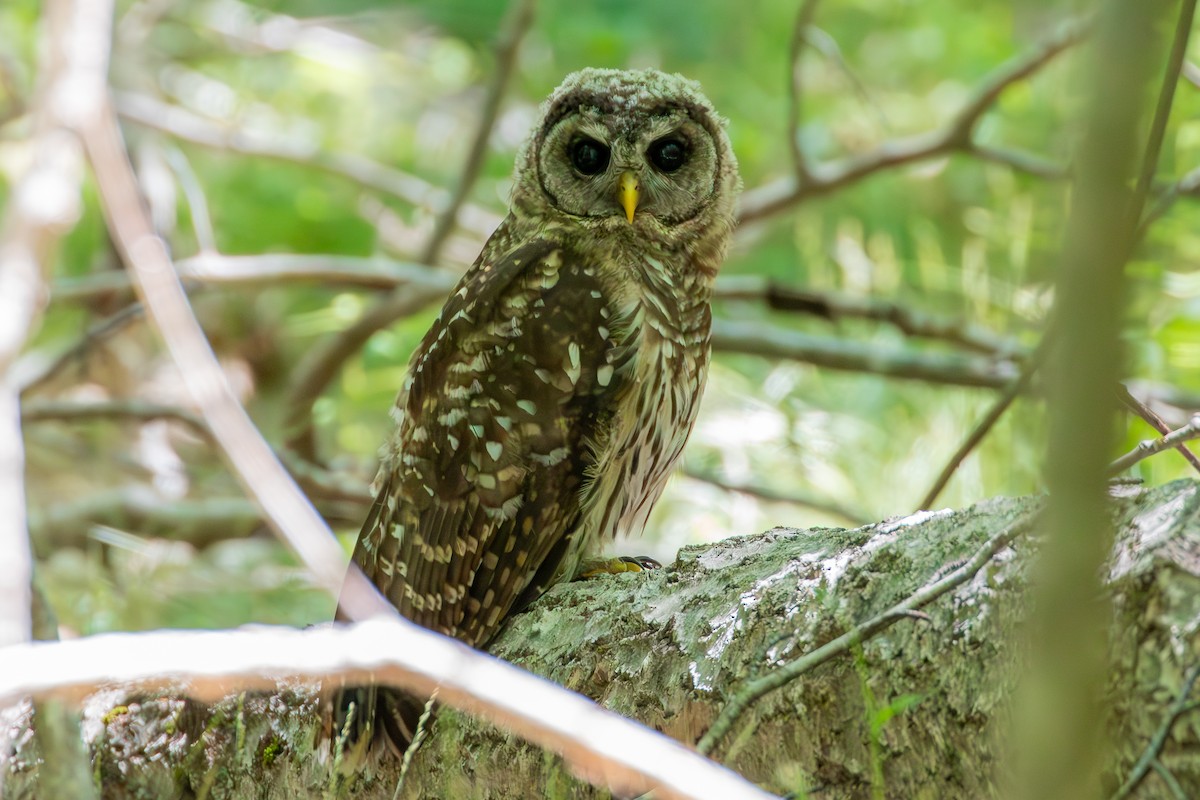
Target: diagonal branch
835	306
509	45
162	295
956	137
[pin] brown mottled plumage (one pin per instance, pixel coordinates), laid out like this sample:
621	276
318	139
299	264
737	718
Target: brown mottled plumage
547	405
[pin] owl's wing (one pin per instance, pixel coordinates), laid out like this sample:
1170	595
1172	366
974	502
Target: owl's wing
507	396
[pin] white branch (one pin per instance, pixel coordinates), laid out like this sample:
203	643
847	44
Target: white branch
44	204
600	745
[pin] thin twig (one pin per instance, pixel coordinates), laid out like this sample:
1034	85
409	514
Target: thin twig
520	17
1155	421
202	227
1015	389
955	137
1178	708
804	20
754	690
618	753
1150	447
104	329
1162	110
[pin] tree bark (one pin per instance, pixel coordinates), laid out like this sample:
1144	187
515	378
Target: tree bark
919	710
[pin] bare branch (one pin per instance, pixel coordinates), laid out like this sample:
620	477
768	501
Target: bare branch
1155	421
1149	447
774	342
315	372
270	269
956	137
601	746
58	410
1015	389
835	306
44	204
757	688
140	510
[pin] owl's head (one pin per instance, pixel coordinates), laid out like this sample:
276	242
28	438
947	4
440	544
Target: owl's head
632	146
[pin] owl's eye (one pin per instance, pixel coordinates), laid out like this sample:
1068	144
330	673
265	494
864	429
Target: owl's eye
589	156
667	154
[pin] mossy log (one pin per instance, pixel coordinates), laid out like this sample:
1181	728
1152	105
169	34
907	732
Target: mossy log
919	710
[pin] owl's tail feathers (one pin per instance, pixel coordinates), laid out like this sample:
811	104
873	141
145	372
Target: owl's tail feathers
370	720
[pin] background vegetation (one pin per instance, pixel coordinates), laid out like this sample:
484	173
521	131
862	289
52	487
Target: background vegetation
326	128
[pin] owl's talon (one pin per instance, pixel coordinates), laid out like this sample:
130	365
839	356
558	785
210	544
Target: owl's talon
616	566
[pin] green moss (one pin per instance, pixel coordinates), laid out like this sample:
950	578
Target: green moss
116	711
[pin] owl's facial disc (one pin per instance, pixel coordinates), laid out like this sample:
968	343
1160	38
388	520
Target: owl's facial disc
604	162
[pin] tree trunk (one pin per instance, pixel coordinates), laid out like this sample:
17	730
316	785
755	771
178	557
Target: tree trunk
918	710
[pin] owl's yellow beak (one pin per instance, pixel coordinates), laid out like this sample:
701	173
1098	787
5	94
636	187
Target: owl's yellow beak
629	194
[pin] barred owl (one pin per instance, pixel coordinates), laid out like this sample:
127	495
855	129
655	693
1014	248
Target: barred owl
545	409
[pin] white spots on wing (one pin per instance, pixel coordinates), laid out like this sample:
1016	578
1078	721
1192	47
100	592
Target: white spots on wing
504	422
604	374
528	406
453	441
603	331
555	456
477	430
495	450
487	481
452	417
596	294
572	367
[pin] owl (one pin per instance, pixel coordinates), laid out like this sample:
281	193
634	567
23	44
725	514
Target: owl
546	407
